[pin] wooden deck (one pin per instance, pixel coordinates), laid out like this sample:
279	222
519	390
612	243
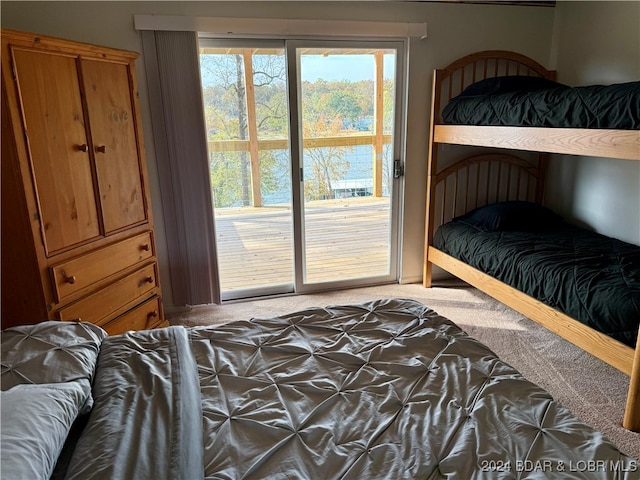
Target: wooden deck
346	239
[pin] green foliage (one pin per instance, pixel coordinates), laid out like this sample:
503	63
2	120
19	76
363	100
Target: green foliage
225	177
321	167
274	167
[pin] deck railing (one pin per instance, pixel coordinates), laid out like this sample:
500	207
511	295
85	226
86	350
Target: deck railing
376	141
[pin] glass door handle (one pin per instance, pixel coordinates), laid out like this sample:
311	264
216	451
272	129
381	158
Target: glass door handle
398	168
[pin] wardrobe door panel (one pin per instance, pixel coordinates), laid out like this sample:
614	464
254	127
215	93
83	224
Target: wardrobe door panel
58	147
115	147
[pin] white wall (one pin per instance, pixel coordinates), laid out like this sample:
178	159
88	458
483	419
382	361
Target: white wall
597	43
453	30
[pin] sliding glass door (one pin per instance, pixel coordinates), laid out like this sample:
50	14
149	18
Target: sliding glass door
346	113
244	88
302	139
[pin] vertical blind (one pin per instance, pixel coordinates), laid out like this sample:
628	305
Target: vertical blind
179	133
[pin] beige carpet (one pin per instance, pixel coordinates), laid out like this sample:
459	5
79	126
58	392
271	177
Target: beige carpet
591	389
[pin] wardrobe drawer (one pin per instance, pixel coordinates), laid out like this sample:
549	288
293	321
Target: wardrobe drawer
142	317
102	306
74	275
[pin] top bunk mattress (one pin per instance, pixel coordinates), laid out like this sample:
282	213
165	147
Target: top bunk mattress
590	277
537	102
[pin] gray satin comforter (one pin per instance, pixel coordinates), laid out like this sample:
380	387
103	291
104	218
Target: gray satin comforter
146	422
387	389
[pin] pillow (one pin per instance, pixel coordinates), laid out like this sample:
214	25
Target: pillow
511	83
512	216
49	352
36	420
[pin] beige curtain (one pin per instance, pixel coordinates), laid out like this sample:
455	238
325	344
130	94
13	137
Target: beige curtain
179	134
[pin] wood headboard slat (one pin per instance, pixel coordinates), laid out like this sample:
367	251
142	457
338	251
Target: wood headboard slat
494	177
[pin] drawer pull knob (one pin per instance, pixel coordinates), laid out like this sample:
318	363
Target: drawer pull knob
153	314
101	149
149	279
83	148
71	279
145	247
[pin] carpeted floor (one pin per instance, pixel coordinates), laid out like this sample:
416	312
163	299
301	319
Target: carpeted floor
591	389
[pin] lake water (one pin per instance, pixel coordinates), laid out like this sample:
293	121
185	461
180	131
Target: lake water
360	173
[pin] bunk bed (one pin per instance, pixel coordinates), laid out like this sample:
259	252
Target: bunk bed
511	168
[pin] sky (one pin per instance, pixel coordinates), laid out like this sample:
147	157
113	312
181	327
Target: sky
337	67
343	67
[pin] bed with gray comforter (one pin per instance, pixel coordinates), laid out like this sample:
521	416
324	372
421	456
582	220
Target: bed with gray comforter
387	389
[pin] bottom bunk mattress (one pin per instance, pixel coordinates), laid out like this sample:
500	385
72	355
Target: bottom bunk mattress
383	390
590	277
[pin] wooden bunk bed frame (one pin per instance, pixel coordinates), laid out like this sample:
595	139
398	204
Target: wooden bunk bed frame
456	184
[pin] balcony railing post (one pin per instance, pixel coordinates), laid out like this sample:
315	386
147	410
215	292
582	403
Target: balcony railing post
378	124
256	193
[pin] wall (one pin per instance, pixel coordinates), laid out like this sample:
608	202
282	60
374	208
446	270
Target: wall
453	30
597	43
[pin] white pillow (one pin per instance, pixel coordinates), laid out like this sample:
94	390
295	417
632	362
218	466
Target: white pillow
36	420
49	352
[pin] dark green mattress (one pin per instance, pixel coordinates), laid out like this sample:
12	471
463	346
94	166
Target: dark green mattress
590	277
535	102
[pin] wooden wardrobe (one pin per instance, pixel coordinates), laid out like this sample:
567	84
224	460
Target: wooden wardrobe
77	230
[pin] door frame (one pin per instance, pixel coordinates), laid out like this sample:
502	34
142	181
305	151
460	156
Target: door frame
290	45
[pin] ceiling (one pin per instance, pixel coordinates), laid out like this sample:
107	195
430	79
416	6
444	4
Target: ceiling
536	3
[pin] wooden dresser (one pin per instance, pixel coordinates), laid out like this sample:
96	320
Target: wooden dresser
77	230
